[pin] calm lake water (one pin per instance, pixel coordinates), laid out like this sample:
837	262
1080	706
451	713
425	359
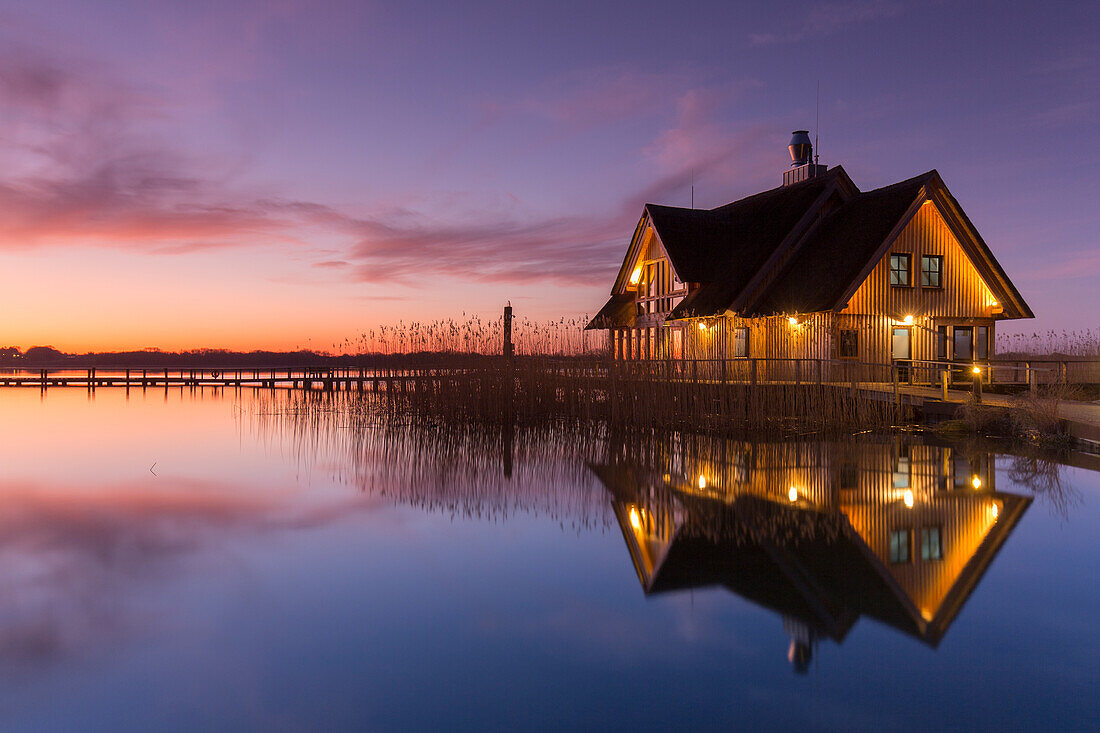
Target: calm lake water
213	561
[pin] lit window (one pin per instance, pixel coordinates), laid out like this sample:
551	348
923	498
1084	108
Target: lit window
931	271
848	344
931	544
899	546
741	342
899	271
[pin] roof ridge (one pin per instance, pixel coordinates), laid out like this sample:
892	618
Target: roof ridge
919	178
832	172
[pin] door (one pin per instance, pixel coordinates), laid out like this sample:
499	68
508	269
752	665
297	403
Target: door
964	343
900	351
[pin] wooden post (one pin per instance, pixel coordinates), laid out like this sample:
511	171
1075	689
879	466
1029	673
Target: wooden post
977	383
509	368
509	348
944	378
1032	379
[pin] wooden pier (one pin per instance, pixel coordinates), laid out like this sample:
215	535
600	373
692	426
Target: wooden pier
334	378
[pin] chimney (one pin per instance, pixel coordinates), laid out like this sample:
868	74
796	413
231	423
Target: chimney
802	154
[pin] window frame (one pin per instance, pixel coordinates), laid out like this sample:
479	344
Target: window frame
738	331
956	332
908	270
938	272
981	342
894	556
926	548
840	343
894	330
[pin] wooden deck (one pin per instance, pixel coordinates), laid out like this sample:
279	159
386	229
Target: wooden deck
1082	419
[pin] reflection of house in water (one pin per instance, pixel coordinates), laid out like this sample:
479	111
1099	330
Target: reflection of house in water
822	533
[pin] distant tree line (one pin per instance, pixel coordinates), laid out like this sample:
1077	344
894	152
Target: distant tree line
47	356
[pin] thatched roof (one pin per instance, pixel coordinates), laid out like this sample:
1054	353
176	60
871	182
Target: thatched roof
792	249
618	312
841	247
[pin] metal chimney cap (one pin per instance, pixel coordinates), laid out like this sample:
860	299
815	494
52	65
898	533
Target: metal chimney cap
801	148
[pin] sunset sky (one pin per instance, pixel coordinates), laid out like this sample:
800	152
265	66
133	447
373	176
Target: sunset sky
281	174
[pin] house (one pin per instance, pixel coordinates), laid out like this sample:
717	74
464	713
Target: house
814	269
819	533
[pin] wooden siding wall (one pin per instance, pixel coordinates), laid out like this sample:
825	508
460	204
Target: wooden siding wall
963	516
964	299
964	295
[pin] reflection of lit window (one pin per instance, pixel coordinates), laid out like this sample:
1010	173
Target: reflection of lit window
901	475
849	476
740	468
931	544
962	472
848	344
899	546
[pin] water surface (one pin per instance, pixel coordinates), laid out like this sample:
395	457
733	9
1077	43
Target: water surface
189	560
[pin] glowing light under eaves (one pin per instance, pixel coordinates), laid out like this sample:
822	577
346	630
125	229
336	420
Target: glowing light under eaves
635	520
636	276
976	482
908	499
908	320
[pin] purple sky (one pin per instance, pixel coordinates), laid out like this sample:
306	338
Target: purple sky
274	174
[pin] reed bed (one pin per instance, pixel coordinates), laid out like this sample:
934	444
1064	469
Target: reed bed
561	373
457	469
535	390
476	335
1084	344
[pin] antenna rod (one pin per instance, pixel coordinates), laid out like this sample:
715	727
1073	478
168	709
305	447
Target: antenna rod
817	126
693	188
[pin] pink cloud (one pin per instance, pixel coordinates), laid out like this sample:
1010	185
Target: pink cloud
90	172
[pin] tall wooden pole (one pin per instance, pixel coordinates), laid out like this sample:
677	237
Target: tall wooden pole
509	376
509	348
